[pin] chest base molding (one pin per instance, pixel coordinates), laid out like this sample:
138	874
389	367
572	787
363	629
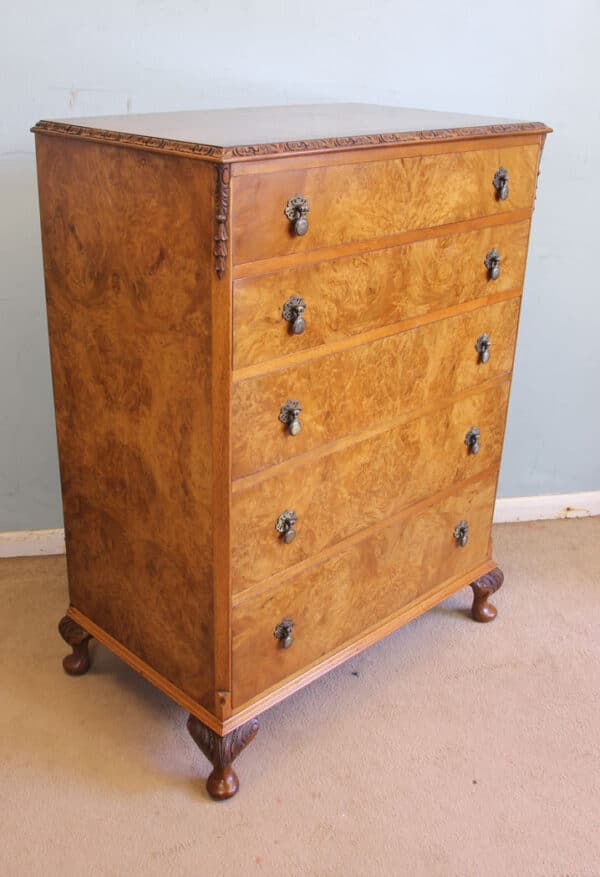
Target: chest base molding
277	694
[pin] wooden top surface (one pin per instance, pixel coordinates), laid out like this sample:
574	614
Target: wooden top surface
262	131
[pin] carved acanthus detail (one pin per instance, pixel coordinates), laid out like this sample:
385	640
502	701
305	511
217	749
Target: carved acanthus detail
221	752
223	172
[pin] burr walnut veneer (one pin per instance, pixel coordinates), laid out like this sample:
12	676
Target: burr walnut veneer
282	342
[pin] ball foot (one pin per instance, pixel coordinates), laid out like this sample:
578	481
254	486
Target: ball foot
483	588
223	782
77	663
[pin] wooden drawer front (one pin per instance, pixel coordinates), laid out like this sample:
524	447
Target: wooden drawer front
354	390
360	293
363	484
336	601
350	203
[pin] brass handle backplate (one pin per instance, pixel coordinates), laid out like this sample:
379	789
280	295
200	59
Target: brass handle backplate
296	211
501	184
461	533
492	263
290	415
483	346
293	312
283	632
286	524
472	440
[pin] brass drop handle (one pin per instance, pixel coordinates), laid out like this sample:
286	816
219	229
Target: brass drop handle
293	312
296	211
482	346
283	632
461	533
501	184
472	440
492	263
290	415
286	523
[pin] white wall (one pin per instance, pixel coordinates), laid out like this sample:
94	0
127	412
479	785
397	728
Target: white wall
530	60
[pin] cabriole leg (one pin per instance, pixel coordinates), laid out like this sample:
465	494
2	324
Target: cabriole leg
223	782
78	662
483	588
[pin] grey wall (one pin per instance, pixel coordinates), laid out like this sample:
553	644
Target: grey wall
530	60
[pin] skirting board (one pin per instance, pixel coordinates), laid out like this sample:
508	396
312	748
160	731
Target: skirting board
508	510
30	543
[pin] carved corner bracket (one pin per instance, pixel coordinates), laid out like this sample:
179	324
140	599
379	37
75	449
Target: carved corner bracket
223	172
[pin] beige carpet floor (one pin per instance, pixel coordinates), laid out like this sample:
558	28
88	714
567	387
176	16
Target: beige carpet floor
450	748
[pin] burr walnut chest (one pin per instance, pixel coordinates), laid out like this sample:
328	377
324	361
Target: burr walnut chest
282	342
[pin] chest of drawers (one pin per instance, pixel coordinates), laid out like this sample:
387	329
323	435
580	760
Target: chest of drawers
282	342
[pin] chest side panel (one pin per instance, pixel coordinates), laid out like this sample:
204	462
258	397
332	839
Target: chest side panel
127	238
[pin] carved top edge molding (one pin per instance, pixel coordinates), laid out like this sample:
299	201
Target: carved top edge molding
267	150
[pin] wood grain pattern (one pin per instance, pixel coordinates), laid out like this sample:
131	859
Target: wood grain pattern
346	491
337	600
354	294
347	392
374	199
384	242
128	284
279	691
184	700
350	342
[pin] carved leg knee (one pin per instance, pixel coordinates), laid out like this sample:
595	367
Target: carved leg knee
78	662
223	782
483	588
